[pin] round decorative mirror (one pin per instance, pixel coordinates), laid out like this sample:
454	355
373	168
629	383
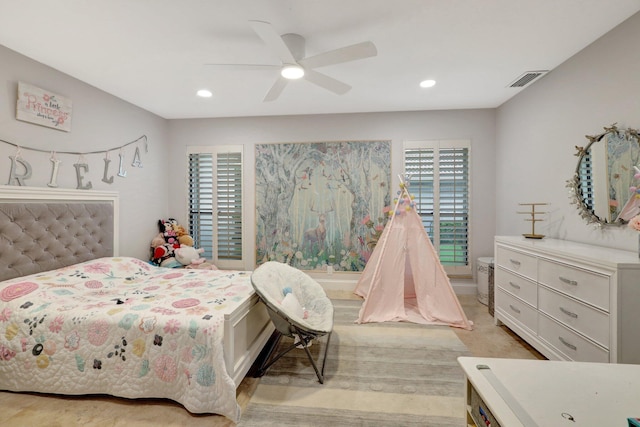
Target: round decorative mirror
606	184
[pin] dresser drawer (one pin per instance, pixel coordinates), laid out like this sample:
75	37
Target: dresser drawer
517	309
569	343
516	285
583	318
590	287
518	262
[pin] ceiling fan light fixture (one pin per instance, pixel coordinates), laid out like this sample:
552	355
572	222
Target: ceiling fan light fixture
292	72
204	93
427	83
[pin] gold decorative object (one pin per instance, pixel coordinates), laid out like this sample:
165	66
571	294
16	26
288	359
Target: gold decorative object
533	219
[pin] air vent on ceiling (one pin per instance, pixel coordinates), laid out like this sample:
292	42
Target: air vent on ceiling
526	78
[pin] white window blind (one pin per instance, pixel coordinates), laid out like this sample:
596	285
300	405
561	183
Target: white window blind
229	192
215	203
201	201
440	184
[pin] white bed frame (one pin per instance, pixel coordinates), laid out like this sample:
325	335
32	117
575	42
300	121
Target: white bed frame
246	329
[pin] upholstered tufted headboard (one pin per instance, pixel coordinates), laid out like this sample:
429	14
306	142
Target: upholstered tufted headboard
43	229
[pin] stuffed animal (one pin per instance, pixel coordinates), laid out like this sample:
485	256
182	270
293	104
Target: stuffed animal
162	253
159	249
185	240
164	257
168	233
174	233
188	255
157	241
183	236
171	236
190	258
292	305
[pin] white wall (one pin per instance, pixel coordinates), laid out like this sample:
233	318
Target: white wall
535	136
538	130
476	125
100	122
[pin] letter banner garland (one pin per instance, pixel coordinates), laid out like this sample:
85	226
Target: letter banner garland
19	177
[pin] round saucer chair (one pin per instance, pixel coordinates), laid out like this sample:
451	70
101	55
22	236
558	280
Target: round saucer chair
298	307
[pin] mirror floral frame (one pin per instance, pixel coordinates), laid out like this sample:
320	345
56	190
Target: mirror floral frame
576	195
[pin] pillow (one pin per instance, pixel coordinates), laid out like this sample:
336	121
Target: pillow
291	305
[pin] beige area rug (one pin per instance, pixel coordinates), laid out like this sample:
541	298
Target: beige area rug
377	374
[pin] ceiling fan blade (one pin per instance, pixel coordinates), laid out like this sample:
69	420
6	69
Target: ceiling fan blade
326	82
343	54
273	41
276	89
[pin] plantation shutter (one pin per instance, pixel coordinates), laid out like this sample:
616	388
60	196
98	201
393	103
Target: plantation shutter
439	173
215	203
420	164
454	205
201	202
229	192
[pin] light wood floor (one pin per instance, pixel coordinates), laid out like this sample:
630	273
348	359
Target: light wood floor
25	409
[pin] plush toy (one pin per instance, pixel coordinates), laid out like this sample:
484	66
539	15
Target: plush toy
164	257
168	233
159	249
188	255
190	258
157	241
171	236
185	240
162	254
174	233
292	305
183	237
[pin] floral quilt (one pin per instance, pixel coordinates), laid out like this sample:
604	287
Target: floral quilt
123	327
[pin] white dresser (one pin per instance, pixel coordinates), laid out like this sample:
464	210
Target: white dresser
570	301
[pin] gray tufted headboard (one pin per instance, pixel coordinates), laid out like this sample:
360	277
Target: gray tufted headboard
43	229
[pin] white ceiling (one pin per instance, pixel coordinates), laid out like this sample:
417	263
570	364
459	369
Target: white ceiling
152	52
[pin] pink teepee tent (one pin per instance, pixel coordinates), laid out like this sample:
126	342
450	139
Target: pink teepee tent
404	279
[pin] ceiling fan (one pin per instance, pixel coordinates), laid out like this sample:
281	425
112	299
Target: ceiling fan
290	49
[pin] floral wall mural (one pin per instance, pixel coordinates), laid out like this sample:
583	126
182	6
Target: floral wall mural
321	204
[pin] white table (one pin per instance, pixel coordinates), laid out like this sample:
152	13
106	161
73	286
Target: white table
530	393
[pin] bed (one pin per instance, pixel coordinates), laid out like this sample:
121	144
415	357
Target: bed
76	319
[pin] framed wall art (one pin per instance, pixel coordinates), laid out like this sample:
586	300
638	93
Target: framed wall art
321	204
43	107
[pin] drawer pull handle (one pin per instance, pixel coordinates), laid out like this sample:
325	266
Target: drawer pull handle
568	281
517	310
568	344
515	285
568	313
514	261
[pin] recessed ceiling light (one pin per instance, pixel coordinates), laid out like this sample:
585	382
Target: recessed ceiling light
292	72
427	83
204	93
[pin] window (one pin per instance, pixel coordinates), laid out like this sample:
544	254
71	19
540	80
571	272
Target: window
215	203
439	181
